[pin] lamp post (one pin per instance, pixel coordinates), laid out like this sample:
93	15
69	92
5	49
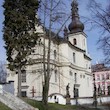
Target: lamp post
94	96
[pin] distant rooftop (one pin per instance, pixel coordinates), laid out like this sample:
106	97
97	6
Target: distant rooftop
99	67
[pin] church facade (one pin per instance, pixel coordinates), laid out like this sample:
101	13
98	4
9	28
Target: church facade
70	64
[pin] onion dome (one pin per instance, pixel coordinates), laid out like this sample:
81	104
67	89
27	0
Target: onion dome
76	25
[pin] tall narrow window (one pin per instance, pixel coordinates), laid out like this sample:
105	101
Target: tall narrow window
74	41
71	74
23	76
55	54
75	77
73	57
88	82
55	75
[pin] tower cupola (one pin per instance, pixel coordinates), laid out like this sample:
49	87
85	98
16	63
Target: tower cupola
76	25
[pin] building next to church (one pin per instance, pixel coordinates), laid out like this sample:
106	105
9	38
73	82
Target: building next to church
102	79
69	62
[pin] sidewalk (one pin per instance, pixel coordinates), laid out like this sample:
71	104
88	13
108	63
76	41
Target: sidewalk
99	107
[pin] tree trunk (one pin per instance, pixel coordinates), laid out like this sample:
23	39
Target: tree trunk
45	94
19	82
47	73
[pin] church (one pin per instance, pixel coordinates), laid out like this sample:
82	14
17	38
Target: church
70	64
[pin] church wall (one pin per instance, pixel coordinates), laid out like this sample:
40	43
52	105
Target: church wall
64	53
85	86
34	79
65	79
80	40
79	57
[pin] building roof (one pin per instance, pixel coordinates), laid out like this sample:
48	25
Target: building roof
99	68
76	25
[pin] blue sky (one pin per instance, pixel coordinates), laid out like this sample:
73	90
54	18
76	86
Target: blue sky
93	35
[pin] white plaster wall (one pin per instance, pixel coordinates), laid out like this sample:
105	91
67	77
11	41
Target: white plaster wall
81	40
64	52
103	99
59	98
65	63
34	79
86	87
82	101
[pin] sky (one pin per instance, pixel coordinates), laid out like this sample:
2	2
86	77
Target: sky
93	35
92	38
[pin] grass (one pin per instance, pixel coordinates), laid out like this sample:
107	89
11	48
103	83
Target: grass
4	107
55	106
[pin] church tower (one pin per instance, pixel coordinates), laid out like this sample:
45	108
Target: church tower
76	35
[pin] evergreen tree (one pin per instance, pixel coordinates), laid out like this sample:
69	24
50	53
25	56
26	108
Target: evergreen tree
19	33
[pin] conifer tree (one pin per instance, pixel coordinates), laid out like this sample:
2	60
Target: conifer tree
19	33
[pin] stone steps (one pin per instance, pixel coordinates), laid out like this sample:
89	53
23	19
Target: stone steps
14	103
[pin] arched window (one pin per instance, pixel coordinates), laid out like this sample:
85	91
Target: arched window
74	41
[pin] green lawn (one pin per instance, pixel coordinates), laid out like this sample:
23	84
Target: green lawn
4	107
39	105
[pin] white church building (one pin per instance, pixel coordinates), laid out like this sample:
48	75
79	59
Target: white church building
70	64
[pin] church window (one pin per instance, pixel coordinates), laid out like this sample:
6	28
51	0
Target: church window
73	57
88	82
83	76
55	75
74	41
71	74
23	76
23	93
55	54
55	97
75	77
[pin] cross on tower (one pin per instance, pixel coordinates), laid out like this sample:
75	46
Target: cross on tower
33	91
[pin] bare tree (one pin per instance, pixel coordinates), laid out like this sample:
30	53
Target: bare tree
53	14
100	19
